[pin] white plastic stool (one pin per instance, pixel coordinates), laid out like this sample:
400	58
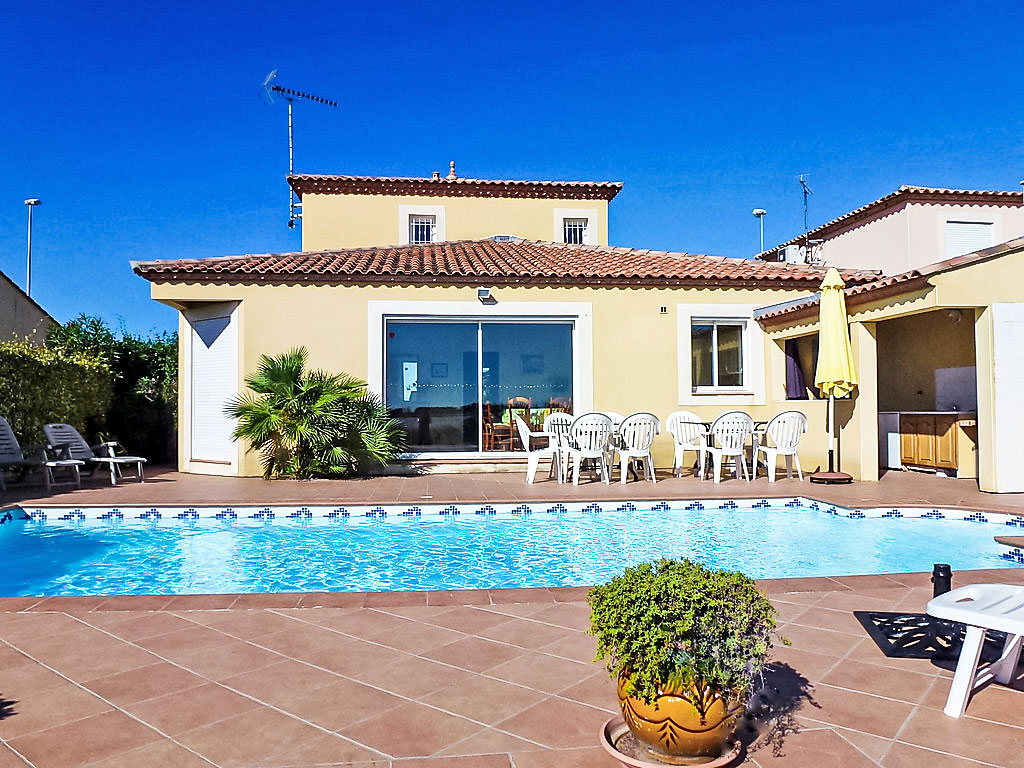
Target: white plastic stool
981	607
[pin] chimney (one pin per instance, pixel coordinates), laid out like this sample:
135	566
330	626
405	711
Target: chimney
451	171
437	176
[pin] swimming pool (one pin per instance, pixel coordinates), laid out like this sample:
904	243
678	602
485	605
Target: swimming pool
180	550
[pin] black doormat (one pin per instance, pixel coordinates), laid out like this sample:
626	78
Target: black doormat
919	636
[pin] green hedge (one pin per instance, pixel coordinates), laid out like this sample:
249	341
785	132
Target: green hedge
39	385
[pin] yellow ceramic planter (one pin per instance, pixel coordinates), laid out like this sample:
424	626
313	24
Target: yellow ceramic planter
689	721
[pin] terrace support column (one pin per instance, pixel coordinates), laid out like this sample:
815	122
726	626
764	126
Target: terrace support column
860	437
999	356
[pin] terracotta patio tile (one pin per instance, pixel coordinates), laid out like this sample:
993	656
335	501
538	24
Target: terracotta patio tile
525	633
586	757
966	737
143	683
827	618
184	642
264	600
13	604
249	737
570	615
533	595
880	681
20	674
200	602
325	750
902	755
337	705
570	594
135	626
224	661
490	741
410	730
819	640
542	672
556	723
598	690
16	628
412	677
875	747
416	637
415	612
159	754
994	702
868	651
363	623
868	582
514	609
10	760
575	645
464	761
193	708
474	653
857	711
354	658
27	711
83	741
245	624
483	699
384	599
301	641
332	600
272	682
135	603
74	605
466	619
811	749
84	658
459	597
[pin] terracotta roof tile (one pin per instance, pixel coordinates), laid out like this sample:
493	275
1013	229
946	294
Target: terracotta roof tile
313	184
527	262
906	193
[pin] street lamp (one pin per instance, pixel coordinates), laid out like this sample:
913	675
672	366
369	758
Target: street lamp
760	212
32	202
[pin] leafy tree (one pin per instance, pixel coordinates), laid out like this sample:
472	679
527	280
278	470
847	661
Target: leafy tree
312	423
143	410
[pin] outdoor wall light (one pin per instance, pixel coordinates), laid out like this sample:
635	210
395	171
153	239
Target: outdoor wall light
484	294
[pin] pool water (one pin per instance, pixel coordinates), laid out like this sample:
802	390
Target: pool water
469	551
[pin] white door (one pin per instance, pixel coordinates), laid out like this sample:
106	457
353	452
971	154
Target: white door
214	377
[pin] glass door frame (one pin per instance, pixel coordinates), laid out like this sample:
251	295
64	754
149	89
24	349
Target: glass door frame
580	314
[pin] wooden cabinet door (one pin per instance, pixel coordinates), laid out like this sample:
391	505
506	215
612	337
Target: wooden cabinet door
908	438
926	441
945	442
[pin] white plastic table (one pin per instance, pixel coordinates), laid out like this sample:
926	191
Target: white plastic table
981	607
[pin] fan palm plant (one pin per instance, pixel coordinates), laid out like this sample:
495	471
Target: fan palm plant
312	423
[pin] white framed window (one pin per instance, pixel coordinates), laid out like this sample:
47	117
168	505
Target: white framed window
574	231
717	354
421	224
720	355
576	225
422	229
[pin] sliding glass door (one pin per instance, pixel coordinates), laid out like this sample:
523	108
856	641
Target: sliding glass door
456	385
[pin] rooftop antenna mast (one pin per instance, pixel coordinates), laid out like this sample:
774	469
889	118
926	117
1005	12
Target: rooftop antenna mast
807	192
270	87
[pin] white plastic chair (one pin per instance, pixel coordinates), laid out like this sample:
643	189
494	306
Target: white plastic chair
728	438
12	457
785	430
534	455
588	439
981	607
688	434
557	425
615	417
636	436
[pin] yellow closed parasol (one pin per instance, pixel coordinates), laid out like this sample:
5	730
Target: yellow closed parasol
835	375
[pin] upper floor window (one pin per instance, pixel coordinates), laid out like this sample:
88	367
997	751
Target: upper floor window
967	237
422	229
717	353
574	231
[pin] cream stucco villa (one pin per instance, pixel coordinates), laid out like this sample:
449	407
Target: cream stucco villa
473	306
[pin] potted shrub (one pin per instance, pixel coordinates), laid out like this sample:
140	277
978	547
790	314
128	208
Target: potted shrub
685	643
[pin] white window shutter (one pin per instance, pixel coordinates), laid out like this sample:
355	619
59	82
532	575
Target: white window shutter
214	382
967	237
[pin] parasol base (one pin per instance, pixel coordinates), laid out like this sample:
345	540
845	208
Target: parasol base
831	478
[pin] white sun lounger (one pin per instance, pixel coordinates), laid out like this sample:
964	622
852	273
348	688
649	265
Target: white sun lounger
65	438
981	607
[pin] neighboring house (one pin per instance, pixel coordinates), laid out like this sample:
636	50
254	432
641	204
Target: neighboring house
940	358
910	228
20	316
603	328
358	211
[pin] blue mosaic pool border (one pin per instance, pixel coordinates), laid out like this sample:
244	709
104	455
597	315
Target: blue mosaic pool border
344	512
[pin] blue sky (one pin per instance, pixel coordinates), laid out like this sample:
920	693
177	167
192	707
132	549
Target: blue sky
140	126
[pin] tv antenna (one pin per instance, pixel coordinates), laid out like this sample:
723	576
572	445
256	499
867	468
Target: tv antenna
270	87
807	191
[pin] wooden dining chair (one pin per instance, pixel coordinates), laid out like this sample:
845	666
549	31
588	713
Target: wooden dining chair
497	434
517	406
